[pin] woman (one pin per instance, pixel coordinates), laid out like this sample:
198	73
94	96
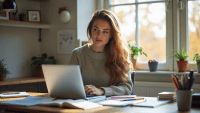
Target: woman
104	61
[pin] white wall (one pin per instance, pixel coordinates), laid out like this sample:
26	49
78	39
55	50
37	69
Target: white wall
18	45
51	15
85	9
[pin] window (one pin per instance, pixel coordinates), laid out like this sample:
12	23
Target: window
158	26
190	28
194	27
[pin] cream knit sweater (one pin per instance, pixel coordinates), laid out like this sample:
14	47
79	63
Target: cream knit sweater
93	72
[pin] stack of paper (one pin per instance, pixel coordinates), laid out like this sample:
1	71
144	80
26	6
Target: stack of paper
152	102
119	103
167	96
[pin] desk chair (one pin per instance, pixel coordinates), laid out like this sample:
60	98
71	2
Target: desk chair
133	79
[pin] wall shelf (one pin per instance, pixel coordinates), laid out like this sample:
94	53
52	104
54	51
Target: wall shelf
13	23
12	81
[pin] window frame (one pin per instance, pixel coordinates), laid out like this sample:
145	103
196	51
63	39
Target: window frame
176	31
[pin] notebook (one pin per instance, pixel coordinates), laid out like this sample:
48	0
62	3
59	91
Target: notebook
152	102
65	81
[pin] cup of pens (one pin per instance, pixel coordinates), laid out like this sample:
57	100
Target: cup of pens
184	91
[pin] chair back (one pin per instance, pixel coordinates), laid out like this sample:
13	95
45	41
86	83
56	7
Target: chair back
133	79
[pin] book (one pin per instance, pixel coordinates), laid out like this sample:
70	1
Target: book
152	102
77	104
167	93
118	103
122	96
28	101
167	98
14	94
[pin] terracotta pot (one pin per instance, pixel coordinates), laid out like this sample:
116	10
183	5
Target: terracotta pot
39	72
2	78
182	66
134	61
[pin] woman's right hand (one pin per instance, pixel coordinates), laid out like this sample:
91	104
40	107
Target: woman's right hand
90	89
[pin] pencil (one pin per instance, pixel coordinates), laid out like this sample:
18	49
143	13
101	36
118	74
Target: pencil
137	102
174	82
181	79
131	99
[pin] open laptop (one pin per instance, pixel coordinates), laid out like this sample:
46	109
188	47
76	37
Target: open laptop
64	81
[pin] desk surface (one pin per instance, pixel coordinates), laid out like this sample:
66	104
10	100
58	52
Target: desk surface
11	81
171	108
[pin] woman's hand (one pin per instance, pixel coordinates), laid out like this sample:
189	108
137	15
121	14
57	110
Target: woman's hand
90	89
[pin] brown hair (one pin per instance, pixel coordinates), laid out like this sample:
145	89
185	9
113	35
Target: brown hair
117	63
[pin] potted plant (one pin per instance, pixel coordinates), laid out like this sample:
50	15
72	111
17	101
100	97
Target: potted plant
196	59
3	70
153	64
134	53
38	61
182	61
22	17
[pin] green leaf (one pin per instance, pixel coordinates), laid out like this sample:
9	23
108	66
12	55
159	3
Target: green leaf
34	58
135	50
44	56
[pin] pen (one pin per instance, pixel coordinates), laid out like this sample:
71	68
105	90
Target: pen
184	82
131	99
191	79
187	83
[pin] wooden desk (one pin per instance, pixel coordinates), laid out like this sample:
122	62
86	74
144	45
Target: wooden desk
170	108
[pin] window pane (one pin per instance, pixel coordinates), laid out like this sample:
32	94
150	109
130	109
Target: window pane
152	31
126	16
122	1
194	27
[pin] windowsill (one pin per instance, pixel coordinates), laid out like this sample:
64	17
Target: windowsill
163	72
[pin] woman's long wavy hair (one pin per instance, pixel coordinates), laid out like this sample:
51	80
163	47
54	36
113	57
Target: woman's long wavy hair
118	62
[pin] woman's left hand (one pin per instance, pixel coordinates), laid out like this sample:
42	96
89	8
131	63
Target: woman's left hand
90	89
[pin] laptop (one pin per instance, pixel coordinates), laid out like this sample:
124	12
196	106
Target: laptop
64	81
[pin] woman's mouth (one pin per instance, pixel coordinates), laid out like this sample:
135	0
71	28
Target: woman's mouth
99	40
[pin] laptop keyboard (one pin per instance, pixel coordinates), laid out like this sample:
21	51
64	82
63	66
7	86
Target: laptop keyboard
90	95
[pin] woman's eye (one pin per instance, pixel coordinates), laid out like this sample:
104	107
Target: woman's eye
95	29
105	32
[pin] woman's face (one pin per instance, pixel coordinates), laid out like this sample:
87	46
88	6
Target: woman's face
100	32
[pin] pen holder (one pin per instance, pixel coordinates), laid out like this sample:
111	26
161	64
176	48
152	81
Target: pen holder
184	99
153	66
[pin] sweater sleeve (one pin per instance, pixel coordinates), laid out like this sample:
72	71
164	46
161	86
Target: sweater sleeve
120	88
74	58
